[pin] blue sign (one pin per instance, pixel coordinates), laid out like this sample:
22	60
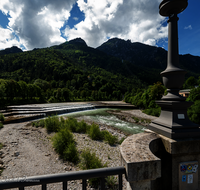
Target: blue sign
184	178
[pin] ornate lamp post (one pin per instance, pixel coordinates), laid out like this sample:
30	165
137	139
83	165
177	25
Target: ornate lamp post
173	121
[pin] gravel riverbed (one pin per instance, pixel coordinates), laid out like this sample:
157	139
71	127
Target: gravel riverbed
28	151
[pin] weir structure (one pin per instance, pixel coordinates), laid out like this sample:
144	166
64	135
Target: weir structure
167	156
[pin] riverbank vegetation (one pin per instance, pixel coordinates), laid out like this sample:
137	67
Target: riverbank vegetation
63	141
145	99
65	145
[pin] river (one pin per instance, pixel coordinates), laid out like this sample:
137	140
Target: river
102	117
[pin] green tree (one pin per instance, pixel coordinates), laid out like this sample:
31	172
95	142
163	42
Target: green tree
194	112
194	94
24	89
157	91
190	83
43	84
66	94
2	88
12	89
31	91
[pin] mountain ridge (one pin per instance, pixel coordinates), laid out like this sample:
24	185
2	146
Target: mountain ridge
13	49
119	56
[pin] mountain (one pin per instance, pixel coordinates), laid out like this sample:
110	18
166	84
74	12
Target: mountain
13	49
85	71
137	53
133	61
148	57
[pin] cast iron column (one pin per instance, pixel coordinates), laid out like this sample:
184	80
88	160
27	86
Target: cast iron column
173	121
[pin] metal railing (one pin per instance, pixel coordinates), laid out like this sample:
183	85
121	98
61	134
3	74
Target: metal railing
43	180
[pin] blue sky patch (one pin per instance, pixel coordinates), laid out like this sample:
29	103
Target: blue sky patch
4	20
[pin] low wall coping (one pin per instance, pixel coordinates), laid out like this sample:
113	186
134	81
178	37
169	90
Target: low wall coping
137	157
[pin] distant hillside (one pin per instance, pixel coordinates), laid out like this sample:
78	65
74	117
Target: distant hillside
62	63
88	73
13	49
147	57
137	53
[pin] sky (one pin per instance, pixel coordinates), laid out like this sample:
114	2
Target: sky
31	24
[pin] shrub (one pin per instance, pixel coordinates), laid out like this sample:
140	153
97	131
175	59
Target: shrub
2	117
91	161
109	138
121	140
111	182
42	123
52	124
95	133
62	139
82	127
1	125
62	120
136	119
72	124
33	124
70	153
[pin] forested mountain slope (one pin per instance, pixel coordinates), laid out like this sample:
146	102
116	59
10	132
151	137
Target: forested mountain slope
107	72
149	58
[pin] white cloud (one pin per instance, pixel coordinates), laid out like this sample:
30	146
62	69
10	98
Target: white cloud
37	23
137	20
7	39
188	27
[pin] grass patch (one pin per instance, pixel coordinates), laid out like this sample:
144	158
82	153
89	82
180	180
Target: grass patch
136	119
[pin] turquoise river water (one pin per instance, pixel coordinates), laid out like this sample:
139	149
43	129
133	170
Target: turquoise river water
101	116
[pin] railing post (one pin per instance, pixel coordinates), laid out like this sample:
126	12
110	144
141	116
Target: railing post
65	185
102	183
120	182
84	184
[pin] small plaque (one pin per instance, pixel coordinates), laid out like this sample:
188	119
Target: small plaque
184	178
190	178
181	116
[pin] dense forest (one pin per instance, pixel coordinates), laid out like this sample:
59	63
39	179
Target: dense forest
62	73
